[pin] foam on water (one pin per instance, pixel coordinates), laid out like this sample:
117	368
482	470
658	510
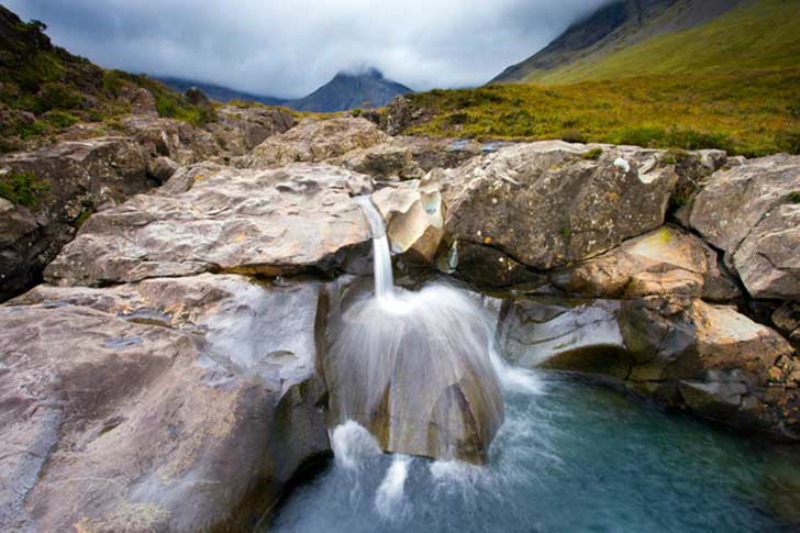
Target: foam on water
389	497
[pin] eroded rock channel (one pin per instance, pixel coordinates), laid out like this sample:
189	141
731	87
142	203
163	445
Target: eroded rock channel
169	374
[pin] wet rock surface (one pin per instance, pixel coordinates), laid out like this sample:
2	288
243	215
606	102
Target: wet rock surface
184	396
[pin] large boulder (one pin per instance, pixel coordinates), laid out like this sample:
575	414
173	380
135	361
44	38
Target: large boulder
667	261
415	370
750	212
171	405
548	204
268	222
178	140
241	128
384	161
314	140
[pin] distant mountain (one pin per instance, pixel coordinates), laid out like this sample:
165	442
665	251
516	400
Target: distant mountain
217	92
587	48
367	89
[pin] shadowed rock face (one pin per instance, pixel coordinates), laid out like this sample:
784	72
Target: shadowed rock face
706	358
270	222
169	405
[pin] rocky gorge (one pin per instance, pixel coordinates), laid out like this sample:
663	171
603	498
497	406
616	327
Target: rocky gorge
169	371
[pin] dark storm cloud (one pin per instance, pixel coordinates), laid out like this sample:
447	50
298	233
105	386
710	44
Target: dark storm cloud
288	48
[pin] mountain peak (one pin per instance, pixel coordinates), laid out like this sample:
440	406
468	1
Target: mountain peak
362	72
365	88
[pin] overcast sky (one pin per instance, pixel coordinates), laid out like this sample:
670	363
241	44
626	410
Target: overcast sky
290	47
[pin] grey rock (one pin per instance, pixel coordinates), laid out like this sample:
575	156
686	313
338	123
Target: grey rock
316	141
169	405
746	211
258	222
545	205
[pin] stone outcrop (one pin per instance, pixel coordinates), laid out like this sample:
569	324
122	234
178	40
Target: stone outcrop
89	171
667	261
706	358
240	129
748	212
548	204
314	140
174	404
414	218
299	218
73	179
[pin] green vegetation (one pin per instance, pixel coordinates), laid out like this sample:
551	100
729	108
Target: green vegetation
24	188
593	155
794	197
758	36
45	89
751	114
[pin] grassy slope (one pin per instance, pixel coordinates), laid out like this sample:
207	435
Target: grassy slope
733	83
44	89
751	114
765	35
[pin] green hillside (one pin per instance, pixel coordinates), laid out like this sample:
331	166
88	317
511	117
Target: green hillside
762	35
44	89
751	114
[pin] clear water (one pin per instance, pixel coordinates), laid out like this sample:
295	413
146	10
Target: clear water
570	457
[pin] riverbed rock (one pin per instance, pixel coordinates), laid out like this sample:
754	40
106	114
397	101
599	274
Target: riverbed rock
239	129
259	222
683	352
575	335
430	388
748	212
547	204
384	161
667	261
315	140
174	404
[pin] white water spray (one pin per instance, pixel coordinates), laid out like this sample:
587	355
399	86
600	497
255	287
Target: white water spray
389	498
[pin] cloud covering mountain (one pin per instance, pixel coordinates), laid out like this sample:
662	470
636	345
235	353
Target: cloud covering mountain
290	48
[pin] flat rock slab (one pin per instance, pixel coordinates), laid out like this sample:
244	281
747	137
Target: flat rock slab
269	222
176	405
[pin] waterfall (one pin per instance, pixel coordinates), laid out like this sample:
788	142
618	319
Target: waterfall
415	369
381	259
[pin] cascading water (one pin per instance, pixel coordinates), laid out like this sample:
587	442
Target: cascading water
381	259
415	368
555	465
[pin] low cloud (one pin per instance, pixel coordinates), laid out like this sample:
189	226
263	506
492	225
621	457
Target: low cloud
290	48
